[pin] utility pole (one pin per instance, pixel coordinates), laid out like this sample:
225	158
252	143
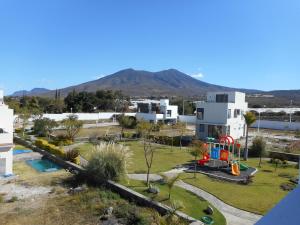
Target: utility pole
182	106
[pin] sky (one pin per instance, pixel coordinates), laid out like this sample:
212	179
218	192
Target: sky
57	43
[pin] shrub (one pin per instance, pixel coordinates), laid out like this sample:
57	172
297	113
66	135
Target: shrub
131	215
108	162
129	135
73	156
13	199
62	140
43	144
258	147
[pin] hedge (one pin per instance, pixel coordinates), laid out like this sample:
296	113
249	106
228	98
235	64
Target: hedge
50	147
58	151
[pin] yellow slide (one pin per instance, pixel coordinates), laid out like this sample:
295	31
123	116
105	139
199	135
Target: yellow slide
235	170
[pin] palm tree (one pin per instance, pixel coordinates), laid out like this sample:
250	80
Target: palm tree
249	120
170	181
198	149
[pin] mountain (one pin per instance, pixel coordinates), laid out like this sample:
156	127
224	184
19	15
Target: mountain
34	91
132	82
171	82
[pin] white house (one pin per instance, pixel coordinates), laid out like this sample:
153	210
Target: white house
6	138
154	112
221	114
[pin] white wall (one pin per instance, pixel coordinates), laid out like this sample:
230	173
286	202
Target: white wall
187	119
85	116
6	123
277	125
287	110
214	113
6	162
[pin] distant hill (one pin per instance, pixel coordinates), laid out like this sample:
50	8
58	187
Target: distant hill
171	82
33	92
132	82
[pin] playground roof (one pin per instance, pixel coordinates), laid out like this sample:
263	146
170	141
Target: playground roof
285	212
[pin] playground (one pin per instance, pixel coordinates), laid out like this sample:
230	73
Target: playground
222	160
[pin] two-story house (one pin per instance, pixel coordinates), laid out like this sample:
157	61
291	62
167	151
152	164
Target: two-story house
154	111
221	114
6	138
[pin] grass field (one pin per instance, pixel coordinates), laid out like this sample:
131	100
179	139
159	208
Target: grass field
192	204
165	158
258	197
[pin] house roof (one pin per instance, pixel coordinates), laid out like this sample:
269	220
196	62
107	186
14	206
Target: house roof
285	212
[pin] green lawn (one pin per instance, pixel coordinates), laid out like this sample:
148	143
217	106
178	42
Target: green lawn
258	197
192	204
164	157
20	147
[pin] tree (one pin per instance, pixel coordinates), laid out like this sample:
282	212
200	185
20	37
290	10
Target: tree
181	127
72	126
24	116
44	127
198	149
258	147
170	181
144	129
126	122
249	120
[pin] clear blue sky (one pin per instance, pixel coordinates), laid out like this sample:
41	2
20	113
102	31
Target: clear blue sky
57	43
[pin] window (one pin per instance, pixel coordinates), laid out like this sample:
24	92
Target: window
200	113
229	113
237	112
201	128
222	98
169	113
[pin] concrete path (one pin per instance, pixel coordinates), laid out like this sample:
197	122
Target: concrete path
143	177
69	147
233	215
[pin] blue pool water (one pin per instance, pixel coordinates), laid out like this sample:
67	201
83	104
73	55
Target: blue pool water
21	151
43	165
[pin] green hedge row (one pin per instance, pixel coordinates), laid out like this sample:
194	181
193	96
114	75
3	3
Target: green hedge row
58	151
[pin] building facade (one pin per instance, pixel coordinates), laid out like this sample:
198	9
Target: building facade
155	112
6	138
221	114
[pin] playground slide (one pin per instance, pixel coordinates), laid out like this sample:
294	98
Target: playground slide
235	169
243	167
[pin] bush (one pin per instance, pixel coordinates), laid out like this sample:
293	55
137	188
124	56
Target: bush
73	156
258	147
131	215
62	139
43	144
129	135
108	162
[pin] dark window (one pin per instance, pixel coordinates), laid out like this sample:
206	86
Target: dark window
222	98
214	131
237	112
229	114
169	113
200	113
201	128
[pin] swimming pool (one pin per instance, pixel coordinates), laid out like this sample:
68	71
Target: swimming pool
21	151
43	165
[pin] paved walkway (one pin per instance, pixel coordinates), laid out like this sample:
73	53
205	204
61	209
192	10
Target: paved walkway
233	215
